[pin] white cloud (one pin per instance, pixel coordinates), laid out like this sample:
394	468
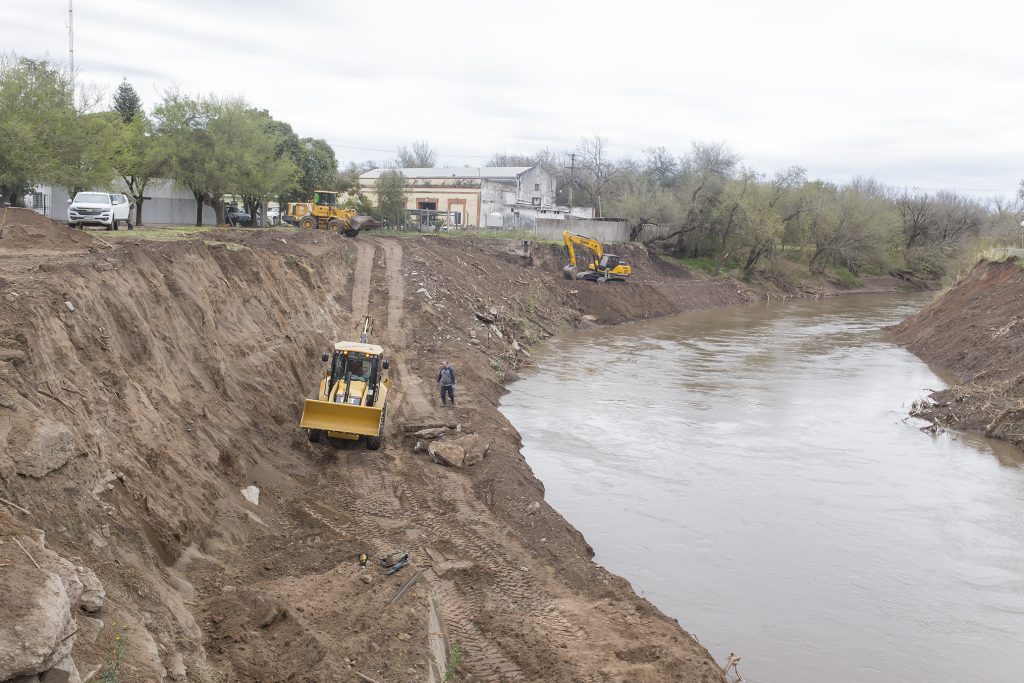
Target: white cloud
915	93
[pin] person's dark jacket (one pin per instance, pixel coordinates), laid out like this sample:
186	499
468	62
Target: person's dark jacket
441	372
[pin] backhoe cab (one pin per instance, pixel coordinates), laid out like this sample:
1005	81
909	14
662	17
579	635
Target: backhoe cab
604	267
323	213
351	402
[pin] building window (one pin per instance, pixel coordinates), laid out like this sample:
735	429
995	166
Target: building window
536	187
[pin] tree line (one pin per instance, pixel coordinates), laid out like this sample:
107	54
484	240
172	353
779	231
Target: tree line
211	145
706	204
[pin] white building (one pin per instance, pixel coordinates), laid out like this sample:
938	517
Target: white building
487	196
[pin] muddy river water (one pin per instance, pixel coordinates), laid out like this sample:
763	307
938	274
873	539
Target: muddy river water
752	471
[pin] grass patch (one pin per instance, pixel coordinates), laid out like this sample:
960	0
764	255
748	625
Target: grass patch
231	246
157	234
700	263
846	279
115	658
453	663
469	234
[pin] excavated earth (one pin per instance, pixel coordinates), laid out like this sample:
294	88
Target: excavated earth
976	331
144	384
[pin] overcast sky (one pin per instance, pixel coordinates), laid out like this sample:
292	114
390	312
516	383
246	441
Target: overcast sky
916	94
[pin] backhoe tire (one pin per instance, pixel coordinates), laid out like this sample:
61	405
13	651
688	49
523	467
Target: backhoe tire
374	442
335	225
350	232
307	223
314	435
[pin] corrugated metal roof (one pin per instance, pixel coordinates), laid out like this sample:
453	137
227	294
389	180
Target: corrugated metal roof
489	172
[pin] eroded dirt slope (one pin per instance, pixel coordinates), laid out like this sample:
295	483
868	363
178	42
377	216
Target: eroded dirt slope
142	387
976	330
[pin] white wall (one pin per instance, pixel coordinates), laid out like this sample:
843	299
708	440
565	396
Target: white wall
169	204
606	231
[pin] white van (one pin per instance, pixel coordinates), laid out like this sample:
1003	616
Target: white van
99	208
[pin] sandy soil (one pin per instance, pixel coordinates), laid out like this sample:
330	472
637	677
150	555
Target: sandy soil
143	386
976	331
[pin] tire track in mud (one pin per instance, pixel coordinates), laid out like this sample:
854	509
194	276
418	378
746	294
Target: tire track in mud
394	496
410	387
362	276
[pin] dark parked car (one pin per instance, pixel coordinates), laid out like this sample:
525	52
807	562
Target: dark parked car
236	216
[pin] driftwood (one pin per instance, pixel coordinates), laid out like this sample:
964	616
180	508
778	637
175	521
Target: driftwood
27	553
13	505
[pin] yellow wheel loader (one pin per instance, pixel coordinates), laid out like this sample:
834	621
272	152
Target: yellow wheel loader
323	213
605	267
351	402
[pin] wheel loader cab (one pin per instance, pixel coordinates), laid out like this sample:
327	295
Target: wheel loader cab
325	198
354	376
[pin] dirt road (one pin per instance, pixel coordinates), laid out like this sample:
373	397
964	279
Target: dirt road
131	423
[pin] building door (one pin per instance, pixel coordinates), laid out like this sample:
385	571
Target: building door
427	210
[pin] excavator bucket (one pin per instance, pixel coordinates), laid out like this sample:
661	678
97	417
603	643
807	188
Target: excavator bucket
340	417
569	272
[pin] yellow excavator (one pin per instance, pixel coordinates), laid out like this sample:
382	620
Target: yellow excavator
351	402
323	213
605	267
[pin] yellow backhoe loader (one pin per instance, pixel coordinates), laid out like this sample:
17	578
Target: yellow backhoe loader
604	267
323	213
351	402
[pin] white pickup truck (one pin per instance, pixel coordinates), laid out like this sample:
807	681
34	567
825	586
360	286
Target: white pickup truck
99	208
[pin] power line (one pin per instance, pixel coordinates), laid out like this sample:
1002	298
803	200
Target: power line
393	150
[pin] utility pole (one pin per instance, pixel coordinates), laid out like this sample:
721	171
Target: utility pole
572	178
71	48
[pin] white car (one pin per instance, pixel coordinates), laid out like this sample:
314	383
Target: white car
99	208
273	215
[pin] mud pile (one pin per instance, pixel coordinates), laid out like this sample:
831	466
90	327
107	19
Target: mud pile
142	388
25	229
976	330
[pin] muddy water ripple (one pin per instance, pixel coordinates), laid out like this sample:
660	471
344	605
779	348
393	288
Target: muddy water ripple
753	473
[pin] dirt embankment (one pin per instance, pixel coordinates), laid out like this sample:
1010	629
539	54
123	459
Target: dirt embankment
976	330
142	387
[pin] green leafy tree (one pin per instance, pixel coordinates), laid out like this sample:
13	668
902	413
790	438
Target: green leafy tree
127	102
249	152
391	190
137	158
38	125
644	202
84	154
318	166
184	144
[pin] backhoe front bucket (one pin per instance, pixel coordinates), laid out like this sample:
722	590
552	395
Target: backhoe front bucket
341	417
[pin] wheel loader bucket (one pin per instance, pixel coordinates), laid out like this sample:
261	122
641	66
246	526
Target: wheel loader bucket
340	417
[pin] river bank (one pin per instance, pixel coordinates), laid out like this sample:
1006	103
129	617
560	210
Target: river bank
145	383
975	330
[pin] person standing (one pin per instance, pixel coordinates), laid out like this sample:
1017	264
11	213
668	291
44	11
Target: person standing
446	382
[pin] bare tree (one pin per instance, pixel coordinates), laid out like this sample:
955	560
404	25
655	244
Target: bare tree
422	155
919	222
661	166
512	159
595	169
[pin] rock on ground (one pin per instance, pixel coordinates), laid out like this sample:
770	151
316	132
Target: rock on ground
447	453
